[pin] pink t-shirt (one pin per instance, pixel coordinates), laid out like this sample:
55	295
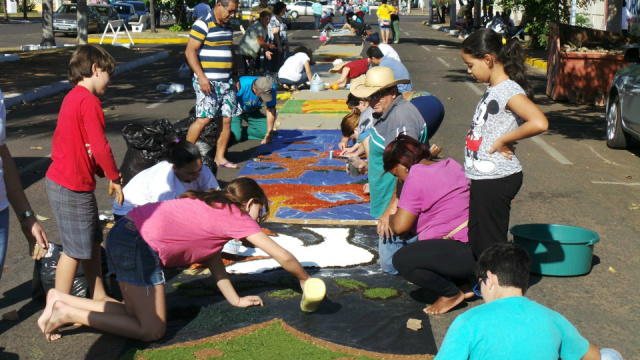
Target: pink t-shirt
187	231
438	194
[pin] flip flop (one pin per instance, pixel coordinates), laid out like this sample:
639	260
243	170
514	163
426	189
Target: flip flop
227	165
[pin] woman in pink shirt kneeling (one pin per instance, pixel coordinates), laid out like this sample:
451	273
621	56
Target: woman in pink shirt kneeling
191	229
434	202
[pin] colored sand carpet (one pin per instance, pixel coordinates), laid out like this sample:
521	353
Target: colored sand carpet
304	183
337	107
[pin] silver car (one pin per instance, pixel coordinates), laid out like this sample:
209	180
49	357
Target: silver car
65	20
623	104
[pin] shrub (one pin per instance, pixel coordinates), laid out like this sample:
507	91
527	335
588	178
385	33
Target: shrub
31	6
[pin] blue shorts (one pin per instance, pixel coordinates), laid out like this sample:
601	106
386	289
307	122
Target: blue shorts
130	258
388	247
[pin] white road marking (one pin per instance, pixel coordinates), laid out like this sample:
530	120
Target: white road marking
426	48
443	62
406	33
615	183
602	157
474	87
155	105
555	154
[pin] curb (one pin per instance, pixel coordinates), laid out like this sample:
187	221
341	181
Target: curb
535	62
125	40
43	91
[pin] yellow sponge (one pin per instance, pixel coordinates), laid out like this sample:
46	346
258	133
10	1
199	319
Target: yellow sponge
312	294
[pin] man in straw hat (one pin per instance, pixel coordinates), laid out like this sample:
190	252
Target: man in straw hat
393	115
348	70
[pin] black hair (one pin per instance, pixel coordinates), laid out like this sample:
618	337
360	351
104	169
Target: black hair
183	153
278	7
510	262
486	41
374	52
383	1
405	151
353	101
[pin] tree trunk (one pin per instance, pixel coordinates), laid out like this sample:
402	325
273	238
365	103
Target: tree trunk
82	22
6	10
180	13
152	13
24	8
48	38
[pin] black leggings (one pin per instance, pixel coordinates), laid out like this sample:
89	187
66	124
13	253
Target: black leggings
432	264
489	208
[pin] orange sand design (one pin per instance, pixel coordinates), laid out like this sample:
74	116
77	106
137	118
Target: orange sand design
300	196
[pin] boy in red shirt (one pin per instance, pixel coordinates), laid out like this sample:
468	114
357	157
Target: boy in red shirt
79	152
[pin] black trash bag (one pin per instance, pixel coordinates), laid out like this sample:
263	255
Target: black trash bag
146	146
44	276
207	142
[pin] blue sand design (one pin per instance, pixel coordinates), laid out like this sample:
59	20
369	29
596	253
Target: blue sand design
283	145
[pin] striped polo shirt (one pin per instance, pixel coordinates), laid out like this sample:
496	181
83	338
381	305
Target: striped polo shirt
215	54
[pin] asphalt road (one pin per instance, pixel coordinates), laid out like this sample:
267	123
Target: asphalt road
571	177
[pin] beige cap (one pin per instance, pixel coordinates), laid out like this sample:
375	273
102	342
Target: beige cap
264	86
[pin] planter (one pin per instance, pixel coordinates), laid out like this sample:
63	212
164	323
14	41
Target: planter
582	77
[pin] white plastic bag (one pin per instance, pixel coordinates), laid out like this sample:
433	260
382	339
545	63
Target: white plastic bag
316	83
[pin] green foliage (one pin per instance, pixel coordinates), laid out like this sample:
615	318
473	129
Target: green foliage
540	12
284	294
271	342
177	27
350	284
380	293
583	21
31	6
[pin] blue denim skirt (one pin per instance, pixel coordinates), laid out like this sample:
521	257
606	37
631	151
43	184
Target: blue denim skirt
130	258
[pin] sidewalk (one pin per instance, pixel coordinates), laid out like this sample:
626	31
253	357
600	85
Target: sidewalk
27	81
536	58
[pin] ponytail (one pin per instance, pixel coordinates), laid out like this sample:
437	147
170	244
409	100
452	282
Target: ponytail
508	52
237	193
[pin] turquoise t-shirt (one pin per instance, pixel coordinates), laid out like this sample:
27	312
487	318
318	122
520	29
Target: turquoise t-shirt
250	102
512	328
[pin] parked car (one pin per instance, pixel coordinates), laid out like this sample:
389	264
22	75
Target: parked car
141	9
299	8
623	103
126	12
65	20
106	12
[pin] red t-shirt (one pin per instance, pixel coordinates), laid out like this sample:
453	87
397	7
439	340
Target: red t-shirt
80	149
358	67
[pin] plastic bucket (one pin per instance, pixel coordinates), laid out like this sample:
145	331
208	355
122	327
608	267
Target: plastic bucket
557	250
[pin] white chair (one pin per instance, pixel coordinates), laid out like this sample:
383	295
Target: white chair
112	30
140	25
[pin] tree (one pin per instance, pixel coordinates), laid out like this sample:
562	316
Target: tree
152	14
6	10
82	22
538	14
47	38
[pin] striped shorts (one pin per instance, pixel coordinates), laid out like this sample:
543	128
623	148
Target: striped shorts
76	213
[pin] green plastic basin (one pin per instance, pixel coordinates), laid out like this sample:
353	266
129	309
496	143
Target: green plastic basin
557	250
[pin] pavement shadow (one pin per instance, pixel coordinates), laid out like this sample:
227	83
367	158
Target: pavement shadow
13	296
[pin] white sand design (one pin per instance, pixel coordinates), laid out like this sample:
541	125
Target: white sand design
334	251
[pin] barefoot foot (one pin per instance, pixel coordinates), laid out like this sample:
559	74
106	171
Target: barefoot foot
55	321
467	291
52	297
444	304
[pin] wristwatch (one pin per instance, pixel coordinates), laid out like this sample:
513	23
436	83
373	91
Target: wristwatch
25	215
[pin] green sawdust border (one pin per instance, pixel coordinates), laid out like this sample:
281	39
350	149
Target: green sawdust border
138	354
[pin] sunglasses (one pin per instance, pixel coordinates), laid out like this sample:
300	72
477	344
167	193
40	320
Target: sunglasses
476	288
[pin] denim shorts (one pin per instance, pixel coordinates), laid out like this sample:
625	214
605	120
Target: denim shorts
130	258
386	249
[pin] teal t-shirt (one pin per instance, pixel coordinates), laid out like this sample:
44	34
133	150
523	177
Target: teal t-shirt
512	328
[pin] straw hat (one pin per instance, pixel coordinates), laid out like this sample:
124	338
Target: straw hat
338	64
376	79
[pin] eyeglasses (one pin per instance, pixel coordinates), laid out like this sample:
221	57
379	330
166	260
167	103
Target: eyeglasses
377	96
477	291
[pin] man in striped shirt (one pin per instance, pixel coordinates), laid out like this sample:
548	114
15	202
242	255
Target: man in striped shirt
215	79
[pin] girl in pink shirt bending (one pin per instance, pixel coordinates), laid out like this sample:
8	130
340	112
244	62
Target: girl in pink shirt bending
180	232
434	202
